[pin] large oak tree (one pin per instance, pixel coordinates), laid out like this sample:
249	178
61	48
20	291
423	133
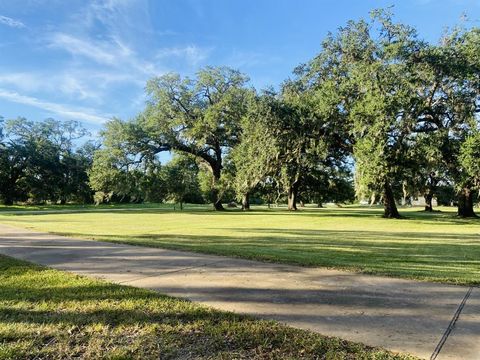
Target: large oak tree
198	116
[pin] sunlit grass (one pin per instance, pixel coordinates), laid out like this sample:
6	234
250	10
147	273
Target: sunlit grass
425	246
91	207
48	314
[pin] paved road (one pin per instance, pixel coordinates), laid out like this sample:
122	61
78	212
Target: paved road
420	318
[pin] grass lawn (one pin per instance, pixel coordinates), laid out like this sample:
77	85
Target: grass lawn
88	207
425	246
49	314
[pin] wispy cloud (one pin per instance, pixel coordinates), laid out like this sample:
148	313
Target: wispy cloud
111	52
76	46
191	53
5	20
123	24
22	80
75	84
103	62
242	59
88	115
104	52
100	64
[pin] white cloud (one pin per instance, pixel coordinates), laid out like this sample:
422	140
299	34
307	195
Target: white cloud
88	115
97	52
22	80
5	20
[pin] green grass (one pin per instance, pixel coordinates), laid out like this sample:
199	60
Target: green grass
424	246
90	207
49	314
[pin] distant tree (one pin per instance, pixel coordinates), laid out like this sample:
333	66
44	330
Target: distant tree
469	160
13	159
257	154
79	179
39	161
119	173
302	141
181	177
424	171
446	194
329	184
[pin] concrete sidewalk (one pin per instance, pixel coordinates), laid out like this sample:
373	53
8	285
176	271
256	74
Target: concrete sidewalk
424	319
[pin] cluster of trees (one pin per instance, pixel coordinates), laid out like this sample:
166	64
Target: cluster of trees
378	113
377	101
116	178
230	143
40	161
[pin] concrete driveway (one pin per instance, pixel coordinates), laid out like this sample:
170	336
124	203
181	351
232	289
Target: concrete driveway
432	321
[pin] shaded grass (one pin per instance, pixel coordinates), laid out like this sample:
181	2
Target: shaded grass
425	246
49	314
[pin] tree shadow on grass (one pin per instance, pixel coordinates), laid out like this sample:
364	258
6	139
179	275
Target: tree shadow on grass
78	305
49	314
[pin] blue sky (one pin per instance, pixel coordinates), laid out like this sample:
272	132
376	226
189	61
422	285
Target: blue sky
89	60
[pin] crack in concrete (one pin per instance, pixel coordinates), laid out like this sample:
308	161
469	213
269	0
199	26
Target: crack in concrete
451	325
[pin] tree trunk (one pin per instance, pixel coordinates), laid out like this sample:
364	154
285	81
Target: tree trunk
390	208
432	187
246	202
217	202
428	201
293	196
217	199
405	193
319	205
465	203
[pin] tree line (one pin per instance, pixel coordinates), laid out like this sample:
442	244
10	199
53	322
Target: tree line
378	113
40	162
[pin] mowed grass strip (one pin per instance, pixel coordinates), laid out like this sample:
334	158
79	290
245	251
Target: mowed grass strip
425	246
49	314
